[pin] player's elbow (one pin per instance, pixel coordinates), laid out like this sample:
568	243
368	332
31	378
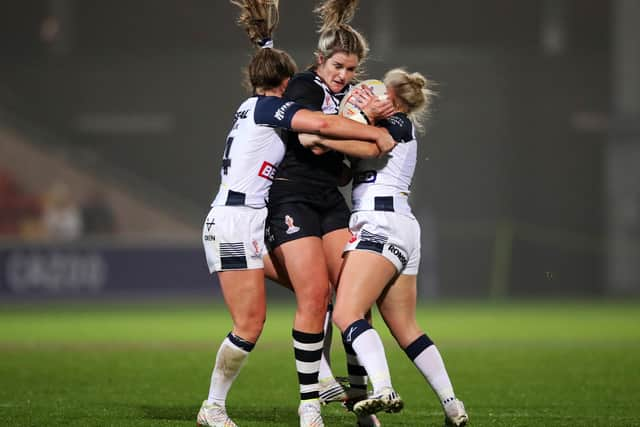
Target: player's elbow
322	124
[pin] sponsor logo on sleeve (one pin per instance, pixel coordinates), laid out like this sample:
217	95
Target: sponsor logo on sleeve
279	115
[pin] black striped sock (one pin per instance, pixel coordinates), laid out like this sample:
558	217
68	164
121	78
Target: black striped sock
308	351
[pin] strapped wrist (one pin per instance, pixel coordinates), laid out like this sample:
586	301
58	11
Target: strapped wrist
365	117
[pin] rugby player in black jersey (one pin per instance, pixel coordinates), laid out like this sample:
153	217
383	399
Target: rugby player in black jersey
307	225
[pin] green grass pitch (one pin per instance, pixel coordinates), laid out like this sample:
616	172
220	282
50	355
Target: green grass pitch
513	364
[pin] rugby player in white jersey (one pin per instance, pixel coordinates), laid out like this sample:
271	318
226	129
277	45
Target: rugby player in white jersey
385	251
233	232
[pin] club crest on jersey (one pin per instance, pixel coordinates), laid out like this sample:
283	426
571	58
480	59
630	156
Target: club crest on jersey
267	171
256	248
327	102
291	227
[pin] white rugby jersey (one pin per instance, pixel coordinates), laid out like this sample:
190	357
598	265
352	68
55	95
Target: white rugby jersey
383	183
253	151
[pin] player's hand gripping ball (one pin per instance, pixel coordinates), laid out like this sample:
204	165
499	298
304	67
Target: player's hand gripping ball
349	107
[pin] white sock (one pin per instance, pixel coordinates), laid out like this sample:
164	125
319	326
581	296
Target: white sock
326	374
229	362
370	350
431	365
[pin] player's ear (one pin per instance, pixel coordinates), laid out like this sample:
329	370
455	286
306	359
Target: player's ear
283	86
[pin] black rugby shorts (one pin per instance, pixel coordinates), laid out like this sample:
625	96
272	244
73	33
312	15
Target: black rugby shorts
298	214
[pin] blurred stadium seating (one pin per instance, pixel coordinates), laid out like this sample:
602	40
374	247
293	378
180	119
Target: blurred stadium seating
113	101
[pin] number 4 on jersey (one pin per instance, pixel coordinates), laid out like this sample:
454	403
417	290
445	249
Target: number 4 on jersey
226	161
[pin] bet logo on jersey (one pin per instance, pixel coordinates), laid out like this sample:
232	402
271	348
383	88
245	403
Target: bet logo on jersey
267	171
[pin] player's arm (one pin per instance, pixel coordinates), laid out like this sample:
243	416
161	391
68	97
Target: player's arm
399	127
304	91
354	148
277	112
313	143
337	127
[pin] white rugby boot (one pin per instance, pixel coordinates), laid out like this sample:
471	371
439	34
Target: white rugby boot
455	414
214	415
387	400
309	413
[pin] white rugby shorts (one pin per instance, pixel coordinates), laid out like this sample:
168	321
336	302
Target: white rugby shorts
392	235
233	238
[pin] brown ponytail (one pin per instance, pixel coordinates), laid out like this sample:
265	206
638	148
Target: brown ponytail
268	66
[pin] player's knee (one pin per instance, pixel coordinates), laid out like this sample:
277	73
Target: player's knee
251	325
343	317
313	296
313	307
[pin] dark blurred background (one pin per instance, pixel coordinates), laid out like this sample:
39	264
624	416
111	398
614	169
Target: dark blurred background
113	117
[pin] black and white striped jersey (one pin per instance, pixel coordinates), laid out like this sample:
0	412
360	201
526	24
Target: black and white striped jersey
299	163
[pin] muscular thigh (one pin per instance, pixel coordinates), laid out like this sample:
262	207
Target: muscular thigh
365	275
243	291
334	243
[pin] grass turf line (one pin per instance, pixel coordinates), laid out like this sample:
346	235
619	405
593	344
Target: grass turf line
526	364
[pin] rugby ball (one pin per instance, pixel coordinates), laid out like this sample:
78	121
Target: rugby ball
348	107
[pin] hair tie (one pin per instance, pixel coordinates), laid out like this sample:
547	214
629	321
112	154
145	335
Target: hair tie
266	43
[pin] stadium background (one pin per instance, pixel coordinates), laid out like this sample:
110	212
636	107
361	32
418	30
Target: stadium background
527	183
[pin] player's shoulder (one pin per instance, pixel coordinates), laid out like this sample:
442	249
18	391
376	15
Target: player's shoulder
269	102
248	103
307	79
399	126
308	76
275	111
245	110
304	89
